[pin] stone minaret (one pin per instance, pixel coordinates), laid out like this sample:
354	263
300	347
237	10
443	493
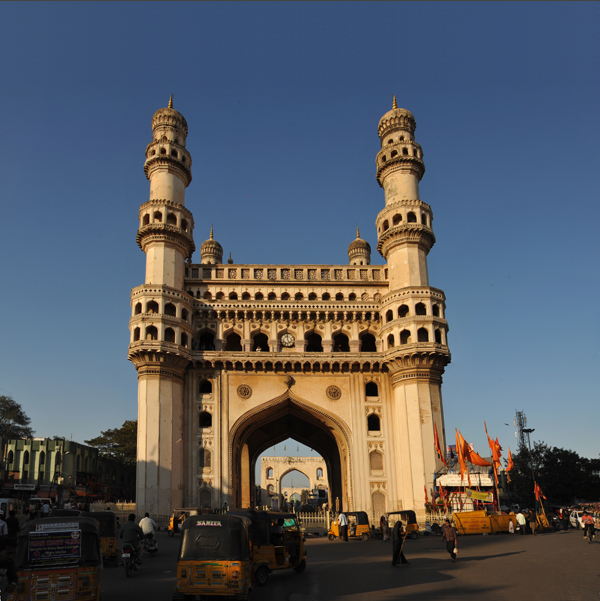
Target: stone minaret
161	332
414	327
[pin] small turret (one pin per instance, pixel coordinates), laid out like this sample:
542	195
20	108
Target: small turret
211	252
359	251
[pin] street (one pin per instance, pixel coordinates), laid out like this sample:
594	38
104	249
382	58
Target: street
559	566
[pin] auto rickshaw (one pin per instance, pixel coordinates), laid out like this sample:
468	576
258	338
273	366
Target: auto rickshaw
108	534
358	526
214	557
409	521
178	517
58	557
277	542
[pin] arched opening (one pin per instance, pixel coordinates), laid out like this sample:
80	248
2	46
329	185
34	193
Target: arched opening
260	342
373	423
206	341
246	296
376	461
220	295
371	389
438	336
205	387
258	296
405	337
233	296
205	497
152	307
422	335
136	334
233	342
270	472
402	311
312	296
368	343
424	219
171	219
341	344
326	296
272	296
411	218
151	333
146	219
390	341
319	473
420	309
184	314
314	343
205	419
170	309
274	422
389	315
169	335
204	459
138	308
207	295
285	296
339	296
299	296
352	296
396	219
184	340
157	217
184	225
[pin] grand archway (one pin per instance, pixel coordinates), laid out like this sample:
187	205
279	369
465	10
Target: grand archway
286	417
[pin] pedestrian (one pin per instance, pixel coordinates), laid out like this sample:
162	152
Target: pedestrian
45	510
398	536
532	521
450	534
3	527
13	525
343	526
588	524
511	527
521	522
8	571
385	529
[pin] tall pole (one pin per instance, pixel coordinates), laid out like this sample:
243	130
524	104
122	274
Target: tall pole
528	431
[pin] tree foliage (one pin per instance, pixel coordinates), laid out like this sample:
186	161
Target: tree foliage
563	475
14	422
119	444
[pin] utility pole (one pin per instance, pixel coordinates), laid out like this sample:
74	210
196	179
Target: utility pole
528	431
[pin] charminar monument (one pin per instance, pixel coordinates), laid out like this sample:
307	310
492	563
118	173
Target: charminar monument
234	358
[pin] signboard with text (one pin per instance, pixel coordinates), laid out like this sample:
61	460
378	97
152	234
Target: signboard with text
54	547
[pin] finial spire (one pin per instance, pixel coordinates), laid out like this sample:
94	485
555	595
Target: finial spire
171	102
394	105
357	232
211	232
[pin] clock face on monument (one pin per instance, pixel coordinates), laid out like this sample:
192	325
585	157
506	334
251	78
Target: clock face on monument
287	340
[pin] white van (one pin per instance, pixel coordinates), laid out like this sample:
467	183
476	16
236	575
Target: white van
7	505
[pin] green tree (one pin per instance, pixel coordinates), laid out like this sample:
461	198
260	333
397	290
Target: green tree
119	444
14	422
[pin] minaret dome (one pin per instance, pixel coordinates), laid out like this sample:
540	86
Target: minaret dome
359	251
211	252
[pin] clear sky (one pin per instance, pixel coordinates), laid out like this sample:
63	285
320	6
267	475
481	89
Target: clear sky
283	102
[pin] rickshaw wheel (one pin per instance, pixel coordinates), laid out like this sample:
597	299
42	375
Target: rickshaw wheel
261	575
170	532
364	536
331	536
414	535
301	566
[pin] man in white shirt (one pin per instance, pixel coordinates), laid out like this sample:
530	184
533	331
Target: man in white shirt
343	526
45	510
148	525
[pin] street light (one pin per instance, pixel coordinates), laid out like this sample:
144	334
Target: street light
528	431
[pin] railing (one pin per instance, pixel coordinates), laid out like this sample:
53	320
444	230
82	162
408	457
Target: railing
314	524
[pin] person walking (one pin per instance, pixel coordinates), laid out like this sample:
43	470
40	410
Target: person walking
532	521
521	522
13	524
450	534
343	526
398	537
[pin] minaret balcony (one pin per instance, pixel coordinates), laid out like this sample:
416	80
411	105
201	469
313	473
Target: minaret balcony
164	233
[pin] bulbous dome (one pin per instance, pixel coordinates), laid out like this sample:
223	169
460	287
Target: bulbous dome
359	251
211	252
170	117
396	119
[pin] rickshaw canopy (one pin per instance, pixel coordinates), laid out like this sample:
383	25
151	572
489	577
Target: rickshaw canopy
215	537
362	519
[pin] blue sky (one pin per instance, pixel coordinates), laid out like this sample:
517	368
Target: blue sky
282	102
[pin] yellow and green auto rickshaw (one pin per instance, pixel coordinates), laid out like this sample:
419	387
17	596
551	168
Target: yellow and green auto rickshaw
178	517
58	558
358	526
277	542
409	521
214	558
108	534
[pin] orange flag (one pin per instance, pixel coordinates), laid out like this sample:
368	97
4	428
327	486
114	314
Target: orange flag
437	445
459	453
510	465
495	448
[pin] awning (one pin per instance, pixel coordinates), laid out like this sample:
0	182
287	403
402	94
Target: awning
47	494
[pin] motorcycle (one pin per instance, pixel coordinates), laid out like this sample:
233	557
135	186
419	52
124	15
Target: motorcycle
150	544
130	559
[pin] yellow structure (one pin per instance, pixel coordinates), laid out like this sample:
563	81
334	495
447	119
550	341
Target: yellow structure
234	358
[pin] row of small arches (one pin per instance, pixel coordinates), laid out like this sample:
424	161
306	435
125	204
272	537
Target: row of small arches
270	472
163	152
422	336
152	307
157	217
295	316
284	297
420	309
397	219
405	153
10	458
151	333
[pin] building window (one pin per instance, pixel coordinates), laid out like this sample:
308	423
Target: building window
373	423
376	461
371	389
205	420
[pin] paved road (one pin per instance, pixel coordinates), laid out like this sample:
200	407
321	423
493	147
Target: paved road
551	567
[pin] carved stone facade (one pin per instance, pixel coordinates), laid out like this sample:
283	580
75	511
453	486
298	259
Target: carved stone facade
232	359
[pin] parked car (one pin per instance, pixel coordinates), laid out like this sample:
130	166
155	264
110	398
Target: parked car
575	519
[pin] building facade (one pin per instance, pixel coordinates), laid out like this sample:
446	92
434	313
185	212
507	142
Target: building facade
234	358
